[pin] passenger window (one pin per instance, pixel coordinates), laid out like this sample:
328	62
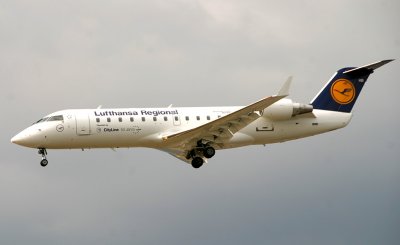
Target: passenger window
176	118
131	119
120	119
198	118
155	119
108	119
143	119
187	118
98	120
165	118
208	117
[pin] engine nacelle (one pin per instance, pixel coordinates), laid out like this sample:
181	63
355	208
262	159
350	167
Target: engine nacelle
285	109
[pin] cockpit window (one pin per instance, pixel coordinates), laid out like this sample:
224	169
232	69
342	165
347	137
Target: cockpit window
53	118
56	118
42	120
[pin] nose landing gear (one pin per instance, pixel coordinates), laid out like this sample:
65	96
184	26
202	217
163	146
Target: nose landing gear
44	161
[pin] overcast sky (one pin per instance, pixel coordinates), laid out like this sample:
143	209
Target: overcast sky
342	187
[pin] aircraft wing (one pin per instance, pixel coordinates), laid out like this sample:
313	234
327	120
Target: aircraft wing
223	128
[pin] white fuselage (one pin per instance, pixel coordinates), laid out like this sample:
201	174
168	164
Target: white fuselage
145	127
193	134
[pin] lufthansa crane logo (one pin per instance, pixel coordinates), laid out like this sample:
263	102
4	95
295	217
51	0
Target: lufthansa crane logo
60	128
343	91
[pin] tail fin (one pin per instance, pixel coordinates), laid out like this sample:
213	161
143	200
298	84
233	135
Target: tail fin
342	90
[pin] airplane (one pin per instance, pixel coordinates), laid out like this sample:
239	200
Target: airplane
193	134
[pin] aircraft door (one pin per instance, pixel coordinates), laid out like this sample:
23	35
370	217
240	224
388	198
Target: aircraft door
82	124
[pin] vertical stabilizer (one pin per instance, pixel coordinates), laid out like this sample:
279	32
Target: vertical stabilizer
342	91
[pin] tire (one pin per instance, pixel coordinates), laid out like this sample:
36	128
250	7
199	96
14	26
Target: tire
209	152
197	162
44	162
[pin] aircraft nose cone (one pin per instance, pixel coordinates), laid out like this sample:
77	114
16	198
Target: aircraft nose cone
18	139
29	137
25	138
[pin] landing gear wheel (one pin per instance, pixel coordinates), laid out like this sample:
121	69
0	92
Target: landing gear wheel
43	152
44	162
208	152
197	162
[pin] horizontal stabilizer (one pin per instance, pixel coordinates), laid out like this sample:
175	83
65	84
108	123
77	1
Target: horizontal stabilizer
367	69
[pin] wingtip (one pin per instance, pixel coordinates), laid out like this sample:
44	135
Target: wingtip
284	91
387	61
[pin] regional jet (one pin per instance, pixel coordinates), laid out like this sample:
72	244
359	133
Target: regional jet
193	134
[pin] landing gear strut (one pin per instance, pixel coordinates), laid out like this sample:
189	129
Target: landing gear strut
44	161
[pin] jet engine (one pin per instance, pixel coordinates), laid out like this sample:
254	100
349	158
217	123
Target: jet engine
285	109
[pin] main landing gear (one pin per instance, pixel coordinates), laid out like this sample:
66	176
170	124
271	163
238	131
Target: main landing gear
44	161
199	153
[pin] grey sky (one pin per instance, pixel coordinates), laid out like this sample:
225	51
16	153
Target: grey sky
339	188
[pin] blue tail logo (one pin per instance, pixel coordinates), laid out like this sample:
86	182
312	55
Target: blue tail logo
341	92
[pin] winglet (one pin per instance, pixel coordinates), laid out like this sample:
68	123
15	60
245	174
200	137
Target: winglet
284	91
